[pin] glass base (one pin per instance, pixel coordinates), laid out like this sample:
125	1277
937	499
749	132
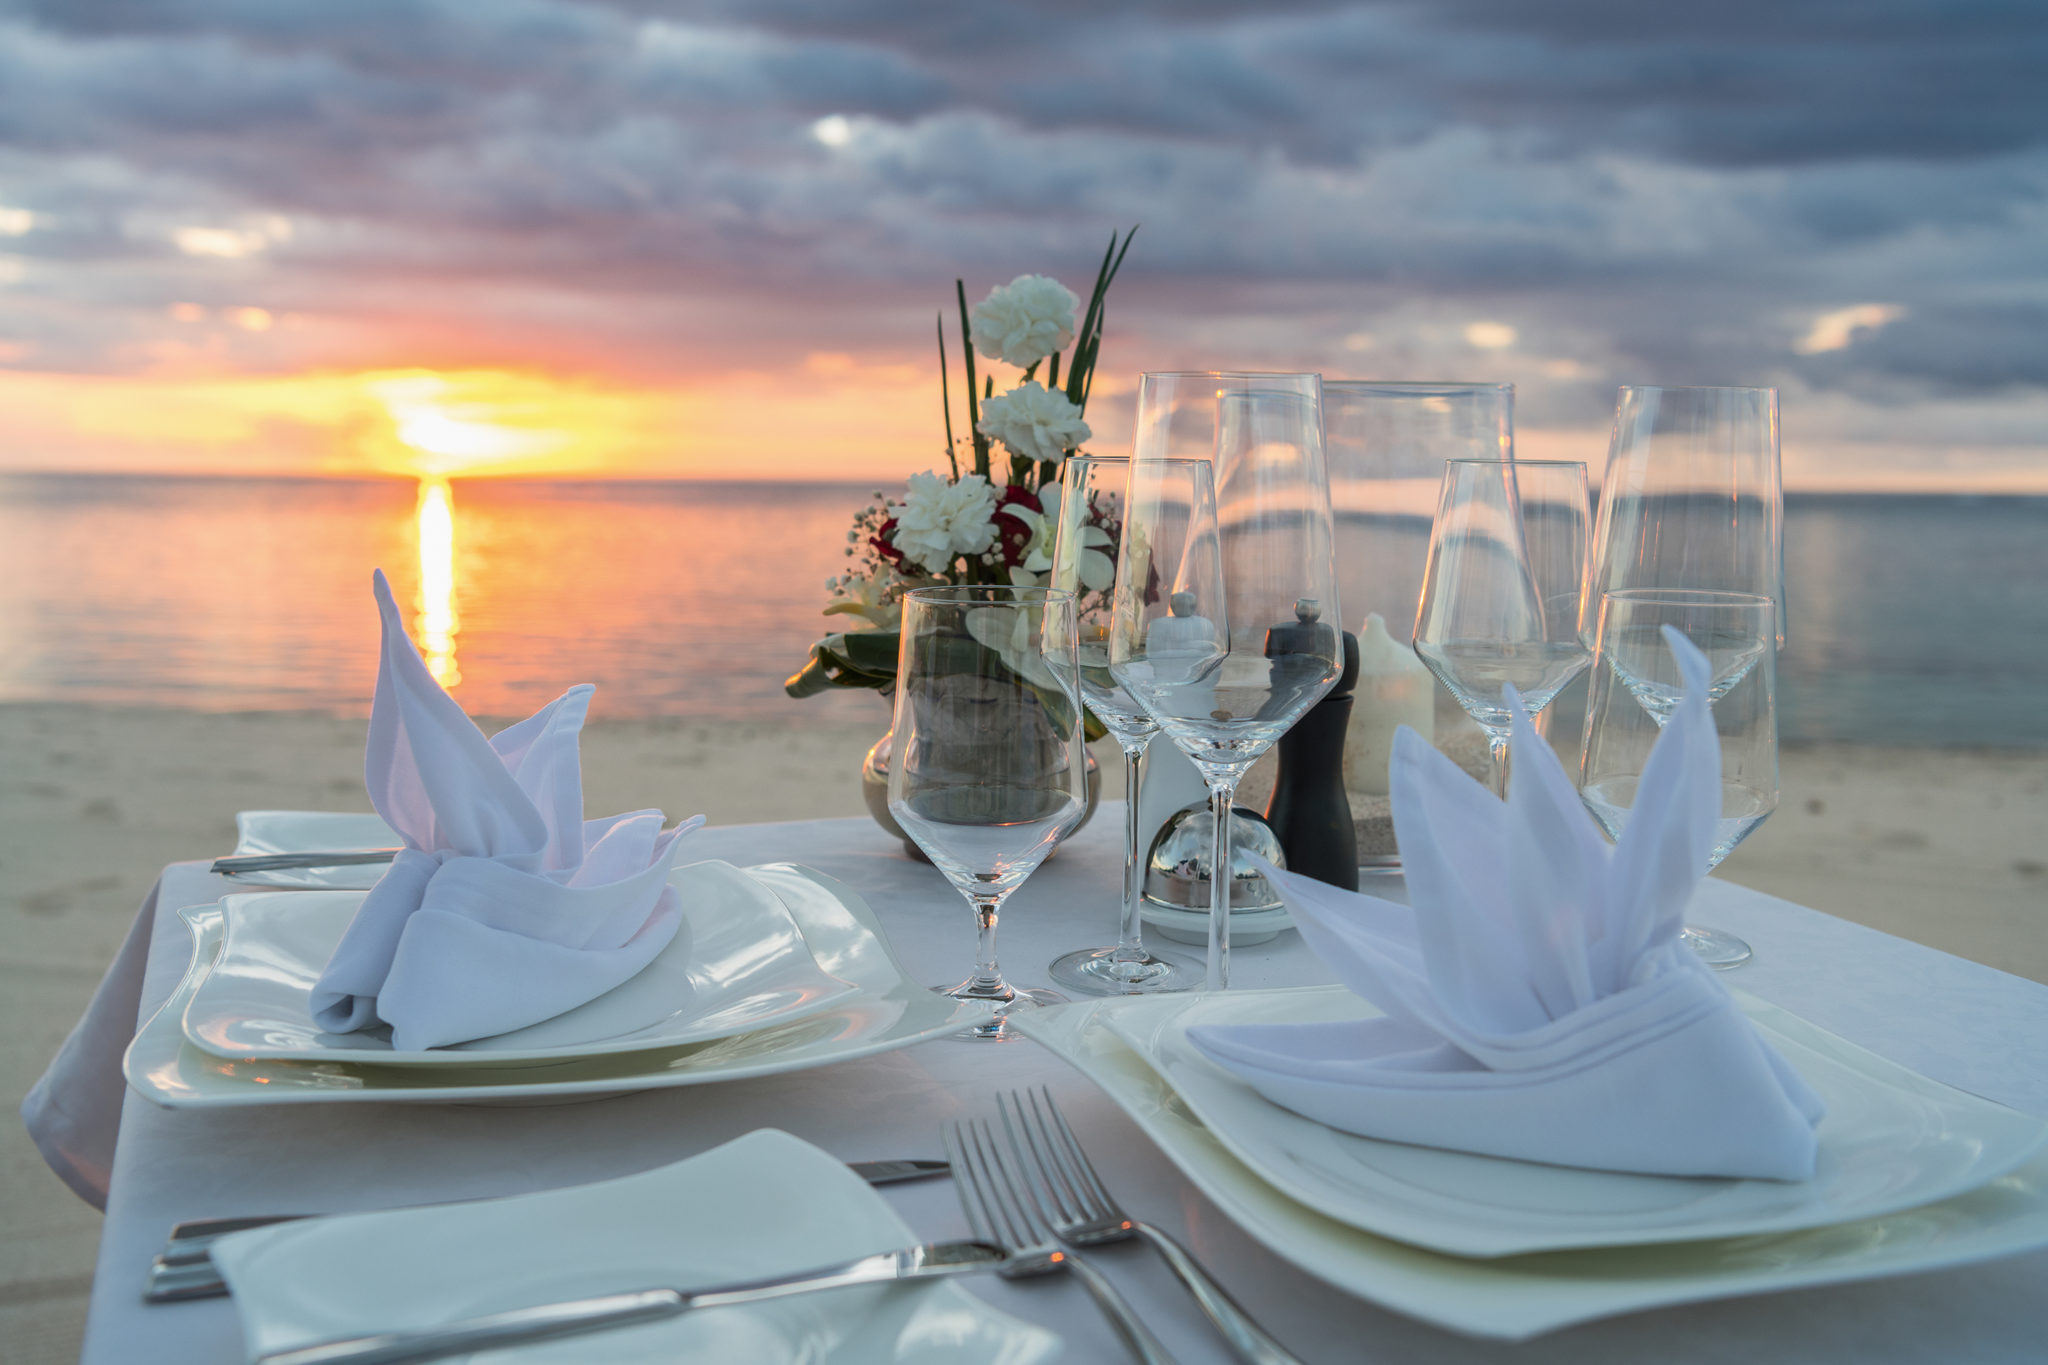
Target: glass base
1715	947
1014	998
1095	971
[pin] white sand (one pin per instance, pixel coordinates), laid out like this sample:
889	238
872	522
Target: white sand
1946	847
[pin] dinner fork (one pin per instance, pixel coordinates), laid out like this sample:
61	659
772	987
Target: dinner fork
998	1211
1083	1214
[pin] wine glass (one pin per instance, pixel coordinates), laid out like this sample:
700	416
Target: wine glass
989	767
1692	500
1621	727
1091	515
1500	590
1225	625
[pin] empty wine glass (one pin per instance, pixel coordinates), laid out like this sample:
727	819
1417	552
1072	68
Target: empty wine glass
1225	627
989	767
1634	688
1091	516
1500	591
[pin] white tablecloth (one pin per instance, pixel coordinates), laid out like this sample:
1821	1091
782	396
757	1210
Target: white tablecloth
1959	1022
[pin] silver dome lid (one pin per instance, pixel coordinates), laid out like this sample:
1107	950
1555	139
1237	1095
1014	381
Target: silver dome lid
1177	869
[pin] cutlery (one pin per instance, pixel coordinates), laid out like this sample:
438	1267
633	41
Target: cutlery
279	862
575	1317
184	1268
998	1211
1084	1215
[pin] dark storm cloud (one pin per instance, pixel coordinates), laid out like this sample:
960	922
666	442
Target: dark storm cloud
1634	189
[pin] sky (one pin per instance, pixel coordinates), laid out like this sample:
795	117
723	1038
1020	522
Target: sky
650	239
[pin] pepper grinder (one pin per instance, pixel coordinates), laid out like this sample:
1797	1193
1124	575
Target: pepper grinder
1309	811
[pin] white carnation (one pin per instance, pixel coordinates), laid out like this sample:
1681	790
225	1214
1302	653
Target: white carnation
1033	421
1025	320
937	520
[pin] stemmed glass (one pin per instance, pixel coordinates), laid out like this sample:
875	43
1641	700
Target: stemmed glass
990	769
1090	516
1634	674
1636	688
1500	592
1692	501
1225	626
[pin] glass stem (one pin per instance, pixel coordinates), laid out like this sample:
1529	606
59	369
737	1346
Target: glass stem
1497	746
1221	794
988	983
1130	945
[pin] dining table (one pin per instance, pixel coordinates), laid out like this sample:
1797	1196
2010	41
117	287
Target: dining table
1963	1023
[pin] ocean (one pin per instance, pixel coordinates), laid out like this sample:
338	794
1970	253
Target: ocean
1913	620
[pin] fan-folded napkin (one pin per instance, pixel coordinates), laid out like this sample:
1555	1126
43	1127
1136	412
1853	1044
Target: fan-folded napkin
1538	1001
506	906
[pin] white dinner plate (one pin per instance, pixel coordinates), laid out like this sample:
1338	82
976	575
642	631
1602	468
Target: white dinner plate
1517	1297
1247	927
737	964
761	1205
312	831
1892	1140
886	1012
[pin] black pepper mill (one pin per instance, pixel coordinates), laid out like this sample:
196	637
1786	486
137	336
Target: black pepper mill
1309	811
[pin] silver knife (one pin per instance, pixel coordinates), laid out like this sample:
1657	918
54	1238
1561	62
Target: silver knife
184	1268
574	1317
279	862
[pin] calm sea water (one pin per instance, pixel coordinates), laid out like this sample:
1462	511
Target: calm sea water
1913	620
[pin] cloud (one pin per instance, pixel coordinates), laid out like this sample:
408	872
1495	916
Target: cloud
1572	194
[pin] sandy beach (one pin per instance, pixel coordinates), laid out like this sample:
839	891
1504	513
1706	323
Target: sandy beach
1942	846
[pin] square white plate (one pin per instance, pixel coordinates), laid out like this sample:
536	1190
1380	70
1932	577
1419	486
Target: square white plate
1517	1297
1892	1140
737	964
761	1205
886	1012
312	831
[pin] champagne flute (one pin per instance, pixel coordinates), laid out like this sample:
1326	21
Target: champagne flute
989	767
1501	588
1226	615
1635	689
1091	514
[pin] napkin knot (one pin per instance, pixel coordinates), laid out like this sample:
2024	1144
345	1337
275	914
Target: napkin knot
505	907
1537	1000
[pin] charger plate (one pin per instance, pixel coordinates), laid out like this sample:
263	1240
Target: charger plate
1892	1140
1516	1297
763	1204
885	1012
737	964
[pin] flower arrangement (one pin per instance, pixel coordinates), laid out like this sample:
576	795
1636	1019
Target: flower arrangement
963	526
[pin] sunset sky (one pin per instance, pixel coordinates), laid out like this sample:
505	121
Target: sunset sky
645	239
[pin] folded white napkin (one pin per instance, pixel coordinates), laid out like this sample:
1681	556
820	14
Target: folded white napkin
506	907
1537	1000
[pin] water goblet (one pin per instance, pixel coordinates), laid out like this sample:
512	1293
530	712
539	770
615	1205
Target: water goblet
1090	517
1225	624
990	769
1500	591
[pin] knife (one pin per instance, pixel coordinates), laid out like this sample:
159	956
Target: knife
184	1268
279	862
574	1317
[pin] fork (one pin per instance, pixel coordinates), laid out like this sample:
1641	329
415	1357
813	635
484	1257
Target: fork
1083	1214
998	1211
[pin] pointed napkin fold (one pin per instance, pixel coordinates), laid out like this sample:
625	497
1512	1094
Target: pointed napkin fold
1538	1002
506	906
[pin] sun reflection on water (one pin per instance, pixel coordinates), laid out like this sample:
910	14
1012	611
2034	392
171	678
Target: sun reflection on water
437	622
